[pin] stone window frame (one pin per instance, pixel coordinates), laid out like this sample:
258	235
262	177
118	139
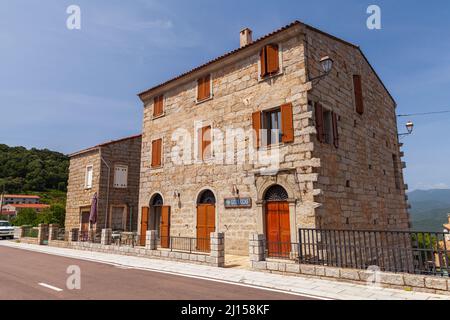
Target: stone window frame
280	63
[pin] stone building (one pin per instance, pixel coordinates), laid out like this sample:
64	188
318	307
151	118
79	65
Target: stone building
261	140
110	170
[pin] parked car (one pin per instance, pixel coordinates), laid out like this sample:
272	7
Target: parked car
6	230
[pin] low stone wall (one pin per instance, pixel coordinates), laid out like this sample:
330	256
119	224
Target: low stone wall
215	258
29	240
196	258
430	284
404	281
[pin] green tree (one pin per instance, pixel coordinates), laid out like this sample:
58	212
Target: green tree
26	217
55	214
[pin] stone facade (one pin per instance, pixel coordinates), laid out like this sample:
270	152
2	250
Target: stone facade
124	152
356	180
314	175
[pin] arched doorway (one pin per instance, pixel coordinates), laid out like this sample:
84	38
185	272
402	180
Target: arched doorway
160	220
206	219
277	222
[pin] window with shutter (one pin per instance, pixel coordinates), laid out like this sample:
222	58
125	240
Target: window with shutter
89	176
205	143
326	125
120	176
158	106
204	88
269	60
357	88
273	126
156	153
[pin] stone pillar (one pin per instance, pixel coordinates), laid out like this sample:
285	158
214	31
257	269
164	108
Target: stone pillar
21	232
106	236
151	240
73	235
42	233
218	248
256	244
52	232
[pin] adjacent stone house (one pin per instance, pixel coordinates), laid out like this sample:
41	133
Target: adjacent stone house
110	170
207	135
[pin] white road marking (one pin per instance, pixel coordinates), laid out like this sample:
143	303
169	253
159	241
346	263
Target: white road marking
50	287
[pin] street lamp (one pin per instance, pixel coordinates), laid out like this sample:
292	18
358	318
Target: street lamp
327	65
409	128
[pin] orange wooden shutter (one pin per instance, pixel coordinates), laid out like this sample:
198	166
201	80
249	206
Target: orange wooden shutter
263	62
206	142
335	130
273	65
287	126
357	87
319	122
156	152
200	90
144	225
207	87
204	88
165	227
256	118
158	105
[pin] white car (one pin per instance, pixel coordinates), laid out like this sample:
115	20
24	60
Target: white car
6	230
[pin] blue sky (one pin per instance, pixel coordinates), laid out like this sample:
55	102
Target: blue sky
69	89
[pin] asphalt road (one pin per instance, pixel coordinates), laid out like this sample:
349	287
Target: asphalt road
31	275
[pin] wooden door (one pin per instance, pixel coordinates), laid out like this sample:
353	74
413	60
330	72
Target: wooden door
144	224
206	223
85	221
278	229
164	227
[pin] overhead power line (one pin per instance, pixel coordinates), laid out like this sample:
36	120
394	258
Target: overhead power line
423	113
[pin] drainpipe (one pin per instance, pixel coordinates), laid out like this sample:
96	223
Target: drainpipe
107	188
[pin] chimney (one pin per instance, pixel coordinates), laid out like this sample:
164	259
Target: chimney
245	37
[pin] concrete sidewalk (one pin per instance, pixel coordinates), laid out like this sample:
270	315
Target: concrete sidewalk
317	288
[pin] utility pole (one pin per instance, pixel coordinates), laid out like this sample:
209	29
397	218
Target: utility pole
1	201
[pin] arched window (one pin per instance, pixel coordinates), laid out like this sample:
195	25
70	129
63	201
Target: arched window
157	200
206	197
276	193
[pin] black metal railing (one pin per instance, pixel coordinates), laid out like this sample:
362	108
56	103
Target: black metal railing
185	244
393	251
130	239
31	232
61	235
281	250
89	236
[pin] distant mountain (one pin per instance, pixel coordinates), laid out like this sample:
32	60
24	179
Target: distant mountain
23	170
429	209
